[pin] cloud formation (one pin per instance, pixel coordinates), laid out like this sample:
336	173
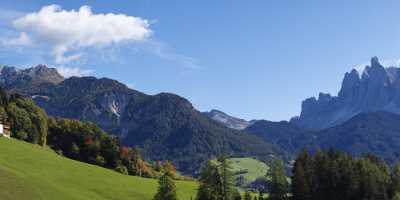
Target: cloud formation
74	71
68	33
21	40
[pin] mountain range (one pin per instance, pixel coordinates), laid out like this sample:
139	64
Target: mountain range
166	126
373	132
363	118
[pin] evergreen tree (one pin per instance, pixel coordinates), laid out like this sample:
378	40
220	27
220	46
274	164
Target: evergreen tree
210	183
216	181
247	196
301	184
227	180
166	189
321	177
260	195
395	180
396	196
279	184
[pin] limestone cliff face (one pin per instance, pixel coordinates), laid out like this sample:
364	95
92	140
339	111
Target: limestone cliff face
376	89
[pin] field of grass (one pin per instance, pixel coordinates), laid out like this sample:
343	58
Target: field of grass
31	172
254	168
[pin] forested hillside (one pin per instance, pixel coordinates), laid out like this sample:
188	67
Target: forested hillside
166	126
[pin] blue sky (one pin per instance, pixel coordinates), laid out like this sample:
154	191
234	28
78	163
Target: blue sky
251	59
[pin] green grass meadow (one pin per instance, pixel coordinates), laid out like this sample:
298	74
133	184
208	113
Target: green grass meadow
32	172
254	168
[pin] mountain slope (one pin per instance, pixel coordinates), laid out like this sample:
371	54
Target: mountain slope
166	126
376	89
31	172
169	123
284	135
375	132
227	120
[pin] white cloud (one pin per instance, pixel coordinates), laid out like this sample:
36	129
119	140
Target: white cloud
21	40
73	71
163	51
69	33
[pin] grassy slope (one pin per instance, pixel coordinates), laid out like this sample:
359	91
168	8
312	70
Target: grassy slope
32	172
254	167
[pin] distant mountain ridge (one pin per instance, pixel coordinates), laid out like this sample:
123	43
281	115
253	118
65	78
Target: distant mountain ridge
372	132
166	126
19	80
376	89
227	120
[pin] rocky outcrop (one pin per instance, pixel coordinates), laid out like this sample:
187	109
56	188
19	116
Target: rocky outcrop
20	80
376	89
227	120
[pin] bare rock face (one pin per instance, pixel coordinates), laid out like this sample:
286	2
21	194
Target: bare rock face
20	80
227	120
376	89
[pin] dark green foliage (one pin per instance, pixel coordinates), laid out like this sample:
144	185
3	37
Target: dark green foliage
279	185
247	196
28	122
173	130
285	135
88	143
395	178
227	179
77	140
166	188
375	132
301	181
210	183
216	182
330	175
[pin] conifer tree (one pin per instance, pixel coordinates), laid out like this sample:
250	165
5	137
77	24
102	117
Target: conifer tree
260	195
301	184
227	180
210	183
216	182
166	189
395	180
279	185
247	196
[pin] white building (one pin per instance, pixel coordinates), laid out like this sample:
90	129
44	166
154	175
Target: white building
4	129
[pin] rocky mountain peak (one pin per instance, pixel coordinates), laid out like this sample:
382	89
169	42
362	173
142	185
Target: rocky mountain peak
44	74
378	89
376	72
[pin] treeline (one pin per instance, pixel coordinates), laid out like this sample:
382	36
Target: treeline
329	175
335	175
82	141
216	183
